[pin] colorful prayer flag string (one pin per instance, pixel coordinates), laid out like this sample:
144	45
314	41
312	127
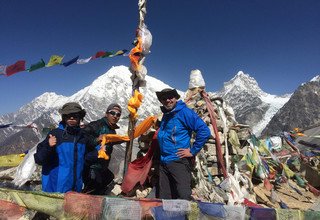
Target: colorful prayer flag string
20	65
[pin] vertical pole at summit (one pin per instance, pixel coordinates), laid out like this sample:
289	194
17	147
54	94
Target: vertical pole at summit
142	43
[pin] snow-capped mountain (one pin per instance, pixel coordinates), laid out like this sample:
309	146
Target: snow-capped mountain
302	110
113	86
251	105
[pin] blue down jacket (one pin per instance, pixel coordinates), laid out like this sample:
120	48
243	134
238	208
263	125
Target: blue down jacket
62	164
176	129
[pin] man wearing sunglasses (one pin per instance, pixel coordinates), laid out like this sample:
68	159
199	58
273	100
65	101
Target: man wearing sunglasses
177	125
97	177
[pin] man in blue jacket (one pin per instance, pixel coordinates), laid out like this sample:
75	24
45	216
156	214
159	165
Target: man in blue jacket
61	154
177	125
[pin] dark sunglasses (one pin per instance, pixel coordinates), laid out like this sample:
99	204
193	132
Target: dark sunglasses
75	116
113	113
164	98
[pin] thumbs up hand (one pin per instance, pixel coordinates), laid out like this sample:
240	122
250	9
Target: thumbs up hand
52	140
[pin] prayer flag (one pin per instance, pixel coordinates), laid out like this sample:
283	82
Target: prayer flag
107	54
138	169
2	69
68	63
120	52
99	54
5	125
54	60
36	66
19	66
83	61
126	53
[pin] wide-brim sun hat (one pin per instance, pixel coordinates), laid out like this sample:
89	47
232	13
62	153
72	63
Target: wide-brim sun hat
167	93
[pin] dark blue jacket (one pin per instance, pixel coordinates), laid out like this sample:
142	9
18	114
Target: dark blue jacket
176	129
62	164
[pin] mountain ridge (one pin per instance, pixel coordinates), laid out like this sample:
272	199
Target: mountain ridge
251	105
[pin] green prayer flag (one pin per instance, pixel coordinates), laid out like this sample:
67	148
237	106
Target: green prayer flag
107	54
36	66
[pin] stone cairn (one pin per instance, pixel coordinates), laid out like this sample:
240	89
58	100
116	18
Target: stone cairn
206	174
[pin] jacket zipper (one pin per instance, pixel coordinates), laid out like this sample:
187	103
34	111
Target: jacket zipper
75	159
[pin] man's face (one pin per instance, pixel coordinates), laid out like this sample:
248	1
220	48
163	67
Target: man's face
113	116
169	102
73	119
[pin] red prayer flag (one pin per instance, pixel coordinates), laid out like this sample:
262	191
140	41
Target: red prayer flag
138	169
99	54
17	67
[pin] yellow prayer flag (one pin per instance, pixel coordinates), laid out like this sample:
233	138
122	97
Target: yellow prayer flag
54	60
289	173
11	160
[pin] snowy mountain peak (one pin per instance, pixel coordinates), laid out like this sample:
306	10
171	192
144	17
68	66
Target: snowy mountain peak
252	105
47	98
242	82
116	86
44	102
240	73
315	79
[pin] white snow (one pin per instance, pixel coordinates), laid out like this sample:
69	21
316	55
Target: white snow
276	103
315	79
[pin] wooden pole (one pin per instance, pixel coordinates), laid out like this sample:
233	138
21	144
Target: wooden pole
135	84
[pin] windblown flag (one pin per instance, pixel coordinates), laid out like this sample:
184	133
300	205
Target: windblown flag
19	66
83	61
120	52
2	69
68	63
32	125
99	54
5	125
107	54
138	169
36	66
54	60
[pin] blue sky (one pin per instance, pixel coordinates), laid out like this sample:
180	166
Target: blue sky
274	41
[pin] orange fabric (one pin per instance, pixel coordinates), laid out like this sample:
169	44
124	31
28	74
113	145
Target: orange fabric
133	111
111	138
102	154
134	103
136	99
300	134
144	126
135	55
141	128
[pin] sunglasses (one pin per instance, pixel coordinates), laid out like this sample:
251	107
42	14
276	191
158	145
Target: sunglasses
164	98
75	116
113	113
